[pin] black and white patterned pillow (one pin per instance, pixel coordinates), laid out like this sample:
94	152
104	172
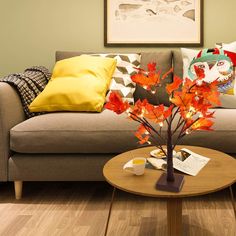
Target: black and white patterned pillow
121	81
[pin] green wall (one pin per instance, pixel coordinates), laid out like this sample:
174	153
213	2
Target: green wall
31	31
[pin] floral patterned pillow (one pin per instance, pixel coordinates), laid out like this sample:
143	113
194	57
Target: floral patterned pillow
217	63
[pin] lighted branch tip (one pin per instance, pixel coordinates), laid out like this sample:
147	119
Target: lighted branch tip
128	111
142	113
191	112
192	109
153	90
199	82
187	131
188	115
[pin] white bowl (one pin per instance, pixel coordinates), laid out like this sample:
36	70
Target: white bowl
158	153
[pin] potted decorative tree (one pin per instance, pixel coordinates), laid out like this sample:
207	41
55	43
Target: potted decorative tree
190	104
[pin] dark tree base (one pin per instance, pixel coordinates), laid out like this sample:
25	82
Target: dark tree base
175	186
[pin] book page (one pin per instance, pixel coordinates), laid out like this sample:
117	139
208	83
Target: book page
192	164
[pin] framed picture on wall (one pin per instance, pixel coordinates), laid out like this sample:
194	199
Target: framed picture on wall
153	23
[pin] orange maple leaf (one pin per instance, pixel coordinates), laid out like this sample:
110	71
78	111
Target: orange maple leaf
146	80
168	112
139	78
167	73
142	134
139	108
174	86
155	113
213	98
153	78
202	124
208	114
182	99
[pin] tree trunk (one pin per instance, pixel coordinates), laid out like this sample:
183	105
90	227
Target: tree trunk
170	169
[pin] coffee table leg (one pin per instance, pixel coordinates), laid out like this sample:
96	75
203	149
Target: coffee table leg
110	208
174	216
232	199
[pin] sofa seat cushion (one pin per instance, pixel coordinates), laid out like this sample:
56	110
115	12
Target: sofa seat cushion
222	138
106	132
74	132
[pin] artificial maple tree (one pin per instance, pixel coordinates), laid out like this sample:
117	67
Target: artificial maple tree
190	104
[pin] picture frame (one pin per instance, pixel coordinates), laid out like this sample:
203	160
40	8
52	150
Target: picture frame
148	23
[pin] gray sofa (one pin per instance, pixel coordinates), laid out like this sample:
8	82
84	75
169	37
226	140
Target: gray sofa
74	146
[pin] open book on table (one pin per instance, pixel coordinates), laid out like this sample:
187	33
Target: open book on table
188	162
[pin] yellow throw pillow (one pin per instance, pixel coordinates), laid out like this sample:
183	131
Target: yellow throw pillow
77	84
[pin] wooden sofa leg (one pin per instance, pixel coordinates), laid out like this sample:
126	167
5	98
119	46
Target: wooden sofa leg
18	189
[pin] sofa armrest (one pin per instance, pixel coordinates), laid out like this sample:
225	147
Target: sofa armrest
11	113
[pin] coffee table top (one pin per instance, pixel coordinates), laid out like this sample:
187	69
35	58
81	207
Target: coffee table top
219	173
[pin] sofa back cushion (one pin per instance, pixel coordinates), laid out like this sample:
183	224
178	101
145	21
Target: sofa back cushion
178	63
163	60
61	55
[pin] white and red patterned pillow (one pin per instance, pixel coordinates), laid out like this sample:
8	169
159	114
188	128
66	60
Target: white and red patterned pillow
218	63
227	100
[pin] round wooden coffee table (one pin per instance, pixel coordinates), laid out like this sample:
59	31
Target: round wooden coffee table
219	173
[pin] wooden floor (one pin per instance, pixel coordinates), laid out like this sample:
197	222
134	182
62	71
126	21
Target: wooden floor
81	208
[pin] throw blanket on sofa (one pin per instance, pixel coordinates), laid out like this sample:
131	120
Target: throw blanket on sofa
29	84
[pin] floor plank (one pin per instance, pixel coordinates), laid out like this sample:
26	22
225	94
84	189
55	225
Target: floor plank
81	208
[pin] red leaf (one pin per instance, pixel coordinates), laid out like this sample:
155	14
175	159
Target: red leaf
199	72
116	103
232	56
152	66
